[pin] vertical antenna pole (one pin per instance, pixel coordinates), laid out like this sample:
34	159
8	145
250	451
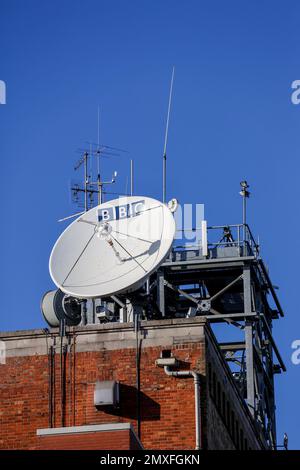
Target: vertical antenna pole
166	140
245	194
99	185
100	191
244	225
85	180
98	127
244	215
98	159
131	177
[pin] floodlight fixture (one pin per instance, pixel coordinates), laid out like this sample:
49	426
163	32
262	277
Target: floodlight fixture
244	185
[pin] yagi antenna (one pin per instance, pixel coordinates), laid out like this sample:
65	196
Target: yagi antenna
166	140
92	186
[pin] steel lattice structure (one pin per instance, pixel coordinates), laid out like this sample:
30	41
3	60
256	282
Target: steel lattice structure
231	285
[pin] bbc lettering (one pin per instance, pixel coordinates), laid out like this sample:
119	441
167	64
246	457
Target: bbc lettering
120	212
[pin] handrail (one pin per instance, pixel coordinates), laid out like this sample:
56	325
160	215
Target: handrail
236	241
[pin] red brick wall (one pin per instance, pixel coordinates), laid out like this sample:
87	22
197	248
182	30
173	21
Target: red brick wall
23	401
167	403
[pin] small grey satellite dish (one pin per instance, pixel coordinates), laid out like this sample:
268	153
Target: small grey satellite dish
56	306
112	248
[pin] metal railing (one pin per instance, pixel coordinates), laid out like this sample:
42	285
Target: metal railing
237	236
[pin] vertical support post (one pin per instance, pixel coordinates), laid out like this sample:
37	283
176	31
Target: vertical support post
245	194
100	193
249	340
131	177
204	237
123	314
85	180
138	373
164	178
93	311
250	366
161	292
244	225
84	313
123	309
62	334
244	217
90	313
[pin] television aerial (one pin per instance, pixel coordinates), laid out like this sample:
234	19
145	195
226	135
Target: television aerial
112	248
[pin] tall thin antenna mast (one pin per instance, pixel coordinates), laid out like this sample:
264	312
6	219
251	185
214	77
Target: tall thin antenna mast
98	127
131	178
166	139
245	194
85	157
98	159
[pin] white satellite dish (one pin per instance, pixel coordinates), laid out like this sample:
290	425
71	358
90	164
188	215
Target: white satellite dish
112	248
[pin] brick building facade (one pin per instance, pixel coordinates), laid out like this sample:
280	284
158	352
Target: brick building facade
46	386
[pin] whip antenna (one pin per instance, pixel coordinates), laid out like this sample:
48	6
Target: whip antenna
166	139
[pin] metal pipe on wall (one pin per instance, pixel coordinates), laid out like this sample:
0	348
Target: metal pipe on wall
138	375
51	379
70	379
74	379
195	375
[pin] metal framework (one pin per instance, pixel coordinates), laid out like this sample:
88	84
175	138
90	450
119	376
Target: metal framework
231	285
226	282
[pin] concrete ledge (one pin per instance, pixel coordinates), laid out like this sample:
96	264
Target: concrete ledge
111	336
82	429
162	323
90	437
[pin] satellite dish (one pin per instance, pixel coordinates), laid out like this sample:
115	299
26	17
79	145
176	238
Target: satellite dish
112	248
56	306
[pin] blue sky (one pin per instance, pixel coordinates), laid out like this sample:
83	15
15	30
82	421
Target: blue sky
232	118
